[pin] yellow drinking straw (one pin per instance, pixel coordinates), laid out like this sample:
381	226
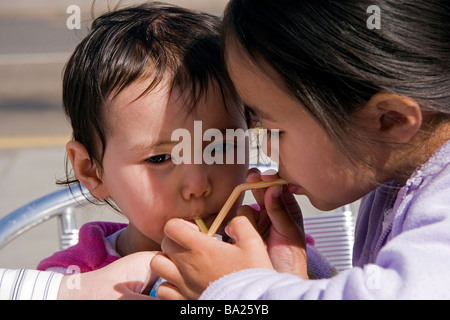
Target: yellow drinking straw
201	224
232	199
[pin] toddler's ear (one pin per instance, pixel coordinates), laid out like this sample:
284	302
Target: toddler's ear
87	172
396	118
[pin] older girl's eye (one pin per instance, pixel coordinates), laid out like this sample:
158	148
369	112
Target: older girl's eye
159	158
252	119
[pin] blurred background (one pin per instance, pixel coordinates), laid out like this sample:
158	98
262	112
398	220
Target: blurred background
35	43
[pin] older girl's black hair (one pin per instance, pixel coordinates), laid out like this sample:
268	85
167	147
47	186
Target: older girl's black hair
333	63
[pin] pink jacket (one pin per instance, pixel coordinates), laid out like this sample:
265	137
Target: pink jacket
92	252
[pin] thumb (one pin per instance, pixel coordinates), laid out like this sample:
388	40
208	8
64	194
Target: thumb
249	244
134	271
243	232
280	215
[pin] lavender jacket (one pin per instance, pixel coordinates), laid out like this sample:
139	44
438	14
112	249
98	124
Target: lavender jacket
402	248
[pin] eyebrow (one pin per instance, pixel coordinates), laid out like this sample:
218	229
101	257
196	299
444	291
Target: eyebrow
148	146
165	143
256	111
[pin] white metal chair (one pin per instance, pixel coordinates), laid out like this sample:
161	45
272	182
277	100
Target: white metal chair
332	232
60	204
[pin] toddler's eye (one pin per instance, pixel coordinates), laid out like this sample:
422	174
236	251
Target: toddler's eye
159	158
223	147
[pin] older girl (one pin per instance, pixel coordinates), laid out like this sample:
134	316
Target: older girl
361	112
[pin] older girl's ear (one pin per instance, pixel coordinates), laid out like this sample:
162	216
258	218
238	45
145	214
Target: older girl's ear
87	172
393	118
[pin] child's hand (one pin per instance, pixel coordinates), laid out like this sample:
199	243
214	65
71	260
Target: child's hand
193	260
280	222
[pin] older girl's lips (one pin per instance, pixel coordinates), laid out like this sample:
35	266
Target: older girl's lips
293	188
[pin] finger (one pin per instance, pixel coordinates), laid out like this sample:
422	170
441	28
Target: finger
184	233
259	220
165	268
279	215
177	285
243	232
249	213
128	294
292	206
168	291
253	171
254	175
169	247
249	241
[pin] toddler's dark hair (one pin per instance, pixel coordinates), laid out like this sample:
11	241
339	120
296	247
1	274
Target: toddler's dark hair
153	42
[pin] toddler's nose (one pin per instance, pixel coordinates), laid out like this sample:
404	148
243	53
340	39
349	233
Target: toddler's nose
196	183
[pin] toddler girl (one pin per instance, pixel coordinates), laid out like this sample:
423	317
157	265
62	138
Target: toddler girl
141	73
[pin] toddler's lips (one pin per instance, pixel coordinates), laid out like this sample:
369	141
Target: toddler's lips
208	220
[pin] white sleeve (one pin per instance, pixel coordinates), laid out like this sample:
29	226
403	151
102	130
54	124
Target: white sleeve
25	284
